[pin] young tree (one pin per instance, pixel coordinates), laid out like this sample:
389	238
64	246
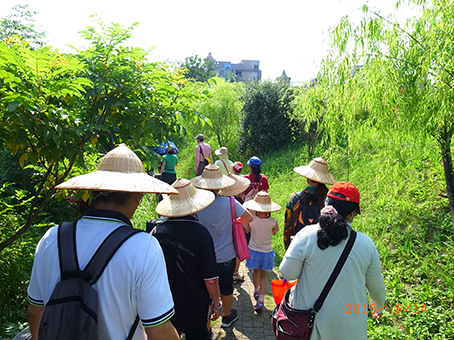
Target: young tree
266	123
404	81
55	107
22	24
222	107
198	69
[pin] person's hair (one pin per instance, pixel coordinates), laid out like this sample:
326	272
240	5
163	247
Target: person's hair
117	197
200	139
320	194
333	228
171	150
256	170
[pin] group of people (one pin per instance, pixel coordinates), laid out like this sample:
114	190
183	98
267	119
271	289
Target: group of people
181	277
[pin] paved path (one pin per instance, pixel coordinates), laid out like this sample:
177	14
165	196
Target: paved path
249	325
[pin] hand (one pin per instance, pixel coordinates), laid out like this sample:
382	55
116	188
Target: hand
247	228
376	315
214	314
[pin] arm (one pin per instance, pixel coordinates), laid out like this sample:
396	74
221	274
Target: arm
213	289
275	229
35	314
374	281
291	210
245	218
163	166
163	331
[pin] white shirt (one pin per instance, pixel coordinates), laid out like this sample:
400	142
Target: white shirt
134	282
305	261
262	234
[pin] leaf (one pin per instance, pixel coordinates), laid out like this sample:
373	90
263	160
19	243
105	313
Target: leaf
22	159
12	106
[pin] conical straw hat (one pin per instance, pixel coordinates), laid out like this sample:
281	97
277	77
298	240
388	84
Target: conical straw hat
212	178
119	170
317	170
262	203
241	184
189	201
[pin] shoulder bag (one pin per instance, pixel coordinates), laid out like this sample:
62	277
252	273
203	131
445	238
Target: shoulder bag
239	238
290	323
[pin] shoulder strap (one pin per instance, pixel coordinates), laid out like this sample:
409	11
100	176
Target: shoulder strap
67	255
336	271
201	151
225	166
232	207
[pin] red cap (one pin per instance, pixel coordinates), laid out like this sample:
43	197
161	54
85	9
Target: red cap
344	191
237	166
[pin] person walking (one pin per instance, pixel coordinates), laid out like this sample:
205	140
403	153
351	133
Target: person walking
313	254
303	208
116	188
259	182
168	164
190	259
217	218
202	155
224	163
262	228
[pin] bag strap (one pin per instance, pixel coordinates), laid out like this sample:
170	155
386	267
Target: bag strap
232	208
201	151
225	166
336	271
69	264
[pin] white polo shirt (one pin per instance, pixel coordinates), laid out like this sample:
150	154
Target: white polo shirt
134	282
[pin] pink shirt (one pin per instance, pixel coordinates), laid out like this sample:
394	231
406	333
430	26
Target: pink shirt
206	150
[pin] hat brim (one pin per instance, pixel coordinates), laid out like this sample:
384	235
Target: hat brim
310	173
261	207
241	184
101	180
212	183
172	207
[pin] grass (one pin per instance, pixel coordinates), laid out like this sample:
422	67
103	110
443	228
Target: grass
399	177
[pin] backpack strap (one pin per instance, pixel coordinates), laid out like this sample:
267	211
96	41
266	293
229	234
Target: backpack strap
201	151
67	255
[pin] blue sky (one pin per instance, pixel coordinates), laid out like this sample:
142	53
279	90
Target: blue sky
290	35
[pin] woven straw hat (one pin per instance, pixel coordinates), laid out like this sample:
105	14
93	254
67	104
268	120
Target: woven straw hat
223	150
317	170
119	170
212	178
241	184
262	202
189	201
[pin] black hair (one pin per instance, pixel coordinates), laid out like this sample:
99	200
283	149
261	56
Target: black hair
333	228
117	197
320	194
256	170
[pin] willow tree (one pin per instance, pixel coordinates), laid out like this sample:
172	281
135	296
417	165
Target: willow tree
400	74
54	107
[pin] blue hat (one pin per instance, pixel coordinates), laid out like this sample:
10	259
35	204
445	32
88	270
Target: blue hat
254	161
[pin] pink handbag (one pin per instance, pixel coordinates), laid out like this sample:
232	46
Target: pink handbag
239	238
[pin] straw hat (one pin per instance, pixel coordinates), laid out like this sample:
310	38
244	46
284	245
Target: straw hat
317	170
119	170
212	178
189	201
262	203
223	150
241	184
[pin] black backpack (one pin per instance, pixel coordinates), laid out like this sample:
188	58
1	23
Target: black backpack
71	312
309	212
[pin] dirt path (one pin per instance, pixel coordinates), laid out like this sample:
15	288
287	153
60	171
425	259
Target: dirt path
249	325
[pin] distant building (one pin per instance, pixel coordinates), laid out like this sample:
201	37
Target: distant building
244	71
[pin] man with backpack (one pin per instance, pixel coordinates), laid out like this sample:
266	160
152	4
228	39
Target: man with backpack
303	208
202	155
99	278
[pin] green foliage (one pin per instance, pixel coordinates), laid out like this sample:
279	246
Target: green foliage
222	107
21	24
266	123
56	107
396	78
198	69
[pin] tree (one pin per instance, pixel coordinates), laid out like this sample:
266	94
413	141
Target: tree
22	25
404	81
222	107
198	69
58	109
266	123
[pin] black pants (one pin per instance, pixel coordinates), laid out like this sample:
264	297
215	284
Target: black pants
168	178
200	333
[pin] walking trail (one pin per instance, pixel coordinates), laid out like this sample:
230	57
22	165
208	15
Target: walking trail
250	325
